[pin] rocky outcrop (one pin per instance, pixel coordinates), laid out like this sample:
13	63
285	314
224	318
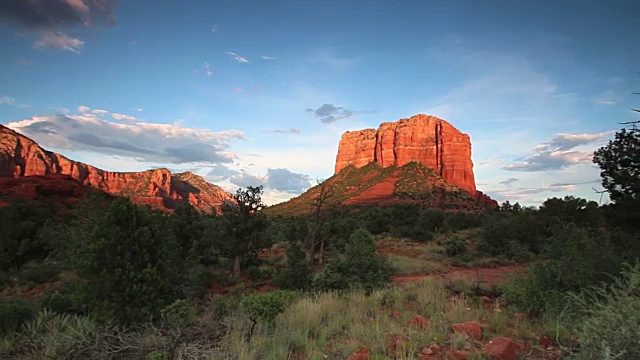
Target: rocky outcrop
428	140
22	157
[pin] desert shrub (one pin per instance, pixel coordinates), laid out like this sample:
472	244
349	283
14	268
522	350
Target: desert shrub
266	306
179	313
456	246
13	314
359	266
38	271
462	220
297	275
513	235
69	298
222	306
612	319
260	272
578	258
529	295
200	280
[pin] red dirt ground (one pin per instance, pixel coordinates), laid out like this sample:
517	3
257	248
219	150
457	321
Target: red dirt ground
492	276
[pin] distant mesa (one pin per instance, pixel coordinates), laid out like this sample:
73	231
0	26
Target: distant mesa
421	159
22	158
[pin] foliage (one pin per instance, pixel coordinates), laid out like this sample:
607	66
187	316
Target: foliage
13	314
360	266
266	306
132	269
612	317
456	246
242	226
19	242
179	313
297	275
620	165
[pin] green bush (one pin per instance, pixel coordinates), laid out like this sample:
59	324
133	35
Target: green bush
359	266
67	299
529	295
456	246
180	313
612	319
13	314
260	272
297	275
38	272
266	306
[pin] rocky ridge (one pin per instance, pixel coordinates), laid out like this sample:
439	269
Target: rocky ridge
21	157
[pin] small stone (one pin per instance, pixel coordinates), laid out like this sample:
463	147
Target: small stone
426	351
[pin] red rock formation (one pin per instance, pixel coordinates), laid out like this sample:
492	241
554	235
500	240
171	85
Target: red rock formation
425	139
21	157
428	140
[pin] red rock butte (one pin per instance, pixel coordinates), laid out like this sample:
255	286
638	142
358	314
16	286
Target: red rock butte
428	140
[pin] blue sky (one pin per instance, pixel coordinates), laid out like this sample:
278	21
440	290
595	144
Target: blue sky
248	92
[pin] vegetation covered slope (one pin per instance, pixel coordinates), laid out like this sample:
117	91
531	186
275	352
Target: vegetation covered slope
376	185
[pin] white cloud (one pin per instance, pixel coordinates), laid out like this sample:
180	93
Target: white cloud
146	142
83	109
7	100
606	102
237	57
207	69
269	57
558	153
123	117
99	112
58	40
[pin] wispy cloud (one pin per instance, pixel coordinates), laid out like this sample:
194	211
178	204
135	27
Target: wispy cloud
282	131
99	111
207	69
237	57
558	153
509	181
606	102
7	100
328	113
83	109
214	29
269	57
58	40
123	117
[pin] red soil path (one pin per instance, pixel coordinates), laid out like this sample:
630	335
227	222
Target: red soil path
492	276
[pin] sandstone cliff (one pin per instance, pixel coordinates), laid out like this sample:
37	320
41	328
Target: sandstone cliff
425	139
22	157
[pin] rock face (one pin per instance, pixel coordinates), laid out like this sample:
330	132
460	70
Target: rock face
428	140
22	157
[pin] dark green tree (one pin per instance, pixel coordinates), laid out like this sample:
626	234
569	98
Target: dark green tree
297	275
186	225
132	269
243	226
359	267
620	165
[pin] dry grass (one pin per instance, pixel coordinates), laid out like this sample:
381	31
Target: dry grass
331	324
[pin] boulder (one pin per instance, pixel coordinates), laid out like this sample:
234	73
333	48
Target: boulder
472	329
502	348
